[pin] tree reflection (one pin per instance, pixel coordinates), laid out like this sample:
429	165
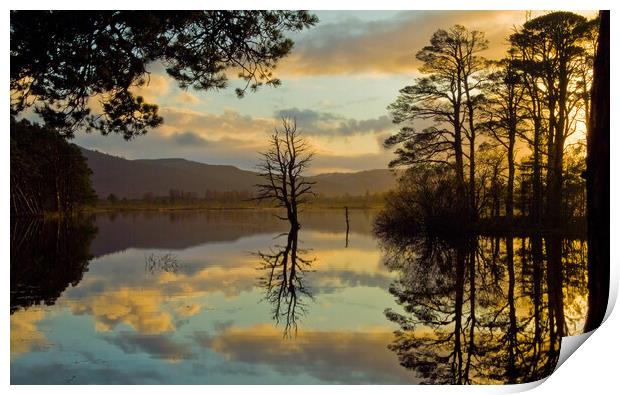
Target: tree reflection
485	309
47	256
283	270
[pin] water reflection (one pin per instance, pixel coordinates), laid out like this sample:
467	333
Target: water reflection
155	263
47	257
163	298
485	310
174	298
283	270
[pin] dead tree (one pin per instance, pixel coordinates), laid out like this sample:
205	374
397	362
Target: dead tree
283	280
282	167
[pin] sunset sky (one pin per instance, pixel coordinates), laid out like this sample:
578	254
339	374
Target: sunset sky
337	82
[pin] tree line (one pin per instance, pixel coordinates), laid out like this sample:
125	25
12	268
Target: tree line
48	174
501	137
178	196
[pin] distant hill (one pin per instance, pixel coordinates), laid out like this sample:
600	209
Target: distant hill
133	178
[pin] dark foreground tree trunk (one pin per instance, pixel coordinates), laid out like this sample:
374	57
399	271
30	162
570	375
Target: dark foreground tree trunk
597	183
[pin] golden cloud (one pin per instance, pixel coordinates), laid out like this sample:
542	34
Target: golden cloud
187	98
155	86
25	336
156	307
138	308
389	46
328	133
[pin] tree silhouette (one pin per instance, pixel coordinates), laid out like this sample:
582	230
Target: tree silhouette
448	98
422	202
284	268
505	93
533	100
47	172
550	50
282	168
597	179
62	60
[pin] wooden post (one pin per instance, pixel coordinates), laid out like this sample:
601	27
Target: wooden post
346	216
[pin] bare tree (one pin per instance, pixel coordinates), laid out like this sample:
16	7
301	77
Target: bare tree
282	168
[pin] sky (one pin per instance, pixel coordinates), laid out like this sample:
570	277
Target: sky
337	82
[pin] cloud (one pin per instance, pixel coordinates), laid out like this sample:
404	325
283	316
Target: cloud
47	371
232	138
314	123
156	86
329	162
140	310
185	97
156	346
389	45
188	127
229	123
336	280
334	356
25	336
188	310
376	125
188	138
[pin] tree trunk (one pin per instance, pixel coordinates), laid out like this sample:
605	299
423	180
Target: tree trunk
555	283
597	183
536	211
511	369
473	207
473	246
457	367
510	186
551	137
537	259
458	156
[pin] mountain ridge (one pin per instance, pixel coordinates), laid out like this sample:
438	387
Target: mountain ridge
133	178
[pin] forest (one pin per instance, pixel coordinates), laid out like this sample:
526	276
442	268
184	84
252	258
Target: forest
502	139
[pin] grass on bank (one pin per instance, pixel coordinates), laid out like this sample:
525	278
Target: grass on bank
166	205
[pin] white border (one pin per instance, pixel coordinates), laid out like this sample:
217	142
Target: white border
592	370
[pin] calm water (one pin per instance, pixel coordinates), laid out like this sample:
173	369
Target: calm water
234	297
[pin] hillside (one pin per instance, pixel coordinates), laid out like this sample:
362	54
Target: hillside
133	178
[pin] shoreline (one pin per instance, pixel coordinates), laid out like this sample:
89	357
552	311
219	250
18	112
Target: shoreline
198	209
169	209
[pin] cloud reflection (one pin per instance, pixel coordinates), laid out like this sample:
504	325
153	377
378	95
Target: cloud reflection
350	357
